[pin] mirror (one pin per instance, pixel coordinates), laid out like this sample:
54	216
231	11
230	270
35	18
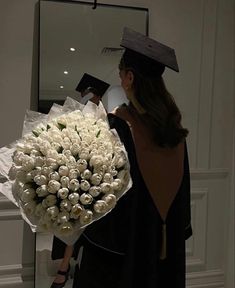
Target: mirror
74	39
94	37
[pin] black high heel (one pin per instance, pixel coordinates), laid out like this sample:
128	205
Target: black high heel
61	285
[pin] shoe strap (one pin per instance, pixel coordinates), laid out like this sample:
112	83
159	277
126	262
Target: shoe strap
64	273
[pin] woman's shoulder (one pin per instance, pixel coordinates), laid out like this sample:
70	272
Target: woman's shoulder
119	114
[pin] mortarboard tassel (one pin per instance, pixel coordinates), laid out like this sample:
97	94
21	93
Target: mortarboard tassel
163	248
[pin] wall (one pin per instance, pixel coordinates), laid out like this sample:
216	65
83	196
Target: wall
202	32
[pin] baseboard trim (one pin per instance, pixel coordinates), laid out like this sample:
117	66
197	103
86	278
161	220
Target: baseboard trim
197	174
205	279
17	276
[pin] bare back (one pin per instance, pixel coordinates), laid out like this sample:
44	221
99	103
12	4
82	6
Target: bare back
161	168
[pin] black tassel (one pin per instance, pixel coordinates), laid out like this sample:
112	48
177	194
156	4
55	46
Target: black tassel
95	4
163	248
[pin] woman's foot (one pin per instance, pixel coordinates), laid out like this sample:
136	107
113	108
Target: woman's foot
61	277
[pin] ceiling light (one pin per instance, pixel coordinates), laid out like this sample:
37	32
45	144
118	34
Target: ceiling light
72	49
66	72
61	86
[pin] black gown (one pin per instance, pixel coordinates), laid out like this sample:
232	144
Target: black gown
122	249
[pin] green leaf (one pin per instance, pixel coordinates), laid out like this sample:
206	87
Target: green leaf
60	149
35	133
61	126
98	134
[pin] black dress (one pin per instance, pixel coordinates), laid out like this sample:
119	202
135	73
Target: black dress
123	249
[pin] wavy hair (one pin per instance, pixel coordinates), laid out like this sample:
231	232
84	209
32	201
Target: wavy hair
162	114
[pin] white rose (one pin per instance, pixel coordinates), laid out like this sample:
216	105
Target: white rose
110	200
100	169
81	165
63	171
56	146
63	193
108	178
75	149
50	200
35	172
85	185
45	146
64	180
54	176
65	205
21	176
29	207
112	170
53	186
28	165
17	157
39	161
94	191
96	160
65	229
62	159
73	198
46	170
86	199
106	187
96	179
56	138
76	211
44	203
52	163
63	217
28	195
62	120
120	160
67	153
40	179
100	206
29	177
71	163
86	217
74	185
42	191
117	185
52	153
66	145
74	174
86	174
84	154
53	212
20	147
39	210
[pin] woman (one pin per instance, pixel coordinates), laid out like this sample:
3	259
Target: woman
141	243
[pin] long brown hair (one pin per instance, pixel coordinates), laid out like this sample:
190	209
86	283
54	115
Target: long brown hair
162	113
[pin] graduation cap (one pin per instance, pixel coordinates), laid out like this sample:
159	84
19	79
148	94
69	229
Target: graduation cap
145	54
89	83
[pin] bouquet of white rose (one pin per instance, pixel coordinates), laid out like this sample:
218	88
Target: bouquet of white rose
68	170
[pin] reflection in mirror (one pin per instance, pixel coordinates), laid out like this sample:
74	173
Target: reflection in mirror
76	39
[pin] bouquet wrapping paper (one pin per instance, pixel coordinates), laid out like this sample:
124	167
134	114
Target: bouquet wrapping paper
68	170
